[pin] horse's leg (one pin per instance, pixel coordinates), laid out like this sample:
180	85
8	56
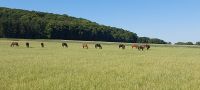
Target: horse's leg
147	48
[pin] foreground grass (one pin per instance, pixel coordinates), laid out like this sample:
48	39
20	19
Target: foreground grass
57	68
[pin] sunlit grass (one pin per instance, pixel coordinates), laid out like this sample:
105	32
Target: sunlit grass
74	68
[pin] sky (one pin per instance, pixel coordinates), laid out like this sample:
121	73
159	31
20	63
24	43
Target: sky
170	20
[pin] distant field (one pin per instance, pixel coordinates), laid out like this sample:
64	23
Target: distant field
74	68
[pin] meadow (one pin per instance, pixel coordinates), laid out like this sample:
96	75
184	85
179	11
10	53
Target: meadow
74	68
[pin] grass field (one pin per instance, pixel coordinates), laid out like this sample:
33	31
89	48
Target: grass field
57	68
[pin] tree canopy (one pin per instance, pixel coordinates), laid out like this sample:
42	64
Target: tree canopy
16	23
184	43
150	40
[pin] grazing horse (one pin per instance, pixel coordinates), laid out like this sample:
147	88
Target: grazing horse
42	45
64	45
134	46
98	46
14	44
122	46
147	46
141	47
27	44
85	45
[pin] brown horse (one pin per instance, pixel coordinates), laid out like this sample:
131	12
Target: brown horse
122	46
14	44
142	47
42	45
98	46
64	45
84	45
134	46
147	46
27	44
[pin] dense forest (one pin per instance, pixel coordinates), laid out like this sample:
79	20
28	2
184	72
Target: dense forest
16	23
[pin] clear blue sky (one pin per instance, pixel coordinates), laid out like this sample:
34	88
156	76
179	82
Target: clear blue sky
170	20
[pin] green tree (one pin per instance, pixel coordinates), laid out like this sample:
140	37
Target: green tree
157	41
143	40
180	43
16	23
189	43
197	43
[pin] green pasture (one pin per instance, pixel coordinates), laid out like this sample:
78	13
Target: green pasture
74	68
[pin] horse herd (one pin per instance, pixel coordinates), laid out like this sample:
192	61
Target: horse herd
85	45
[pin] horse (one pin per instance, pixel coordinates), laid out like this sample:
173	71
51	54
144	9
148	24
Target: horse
27	44
134	46
122	46
141	47
64	45
14	44
84	45
42	45
98	46
147	46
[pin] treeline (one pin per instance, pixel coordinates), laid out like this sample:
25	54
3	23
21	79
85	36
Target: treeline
151	40
16	23
187	43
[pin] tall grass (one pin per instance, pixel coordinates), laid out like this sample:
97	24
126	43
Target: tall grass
74	68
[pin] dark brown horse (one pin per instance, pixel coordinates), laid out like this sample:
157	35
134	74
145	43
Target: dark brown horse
147	46
14	44
42	45
122	46
64	45
84	45
27	44
98	46
142	47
